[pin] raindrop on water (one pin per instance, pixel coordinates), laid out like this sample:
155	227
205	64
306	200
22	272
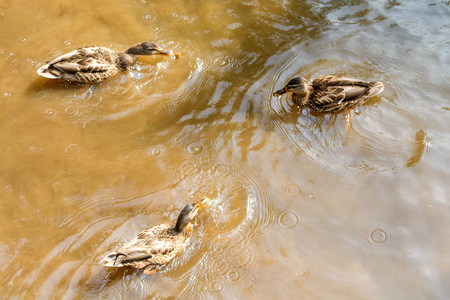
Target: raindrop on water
72	151
49	113
248	284
194	148
215	287
300	272
156	151
234	276
378	236
293	190
287	218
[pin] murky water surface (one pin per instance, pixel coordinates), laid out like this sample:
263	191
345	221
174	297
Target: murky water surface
301	208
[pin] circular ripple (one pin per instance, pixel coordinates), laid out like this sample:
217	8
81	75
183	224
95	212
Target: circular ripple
35	148
156	151
248	284
221	61
195	148
72	151
235	276
378	236
50	113
177	140
215	286
293	190
287	218
222	169
301	272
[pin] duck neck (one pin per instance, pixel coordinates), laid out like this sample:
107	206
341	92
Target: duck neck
181	224
302	99
127	60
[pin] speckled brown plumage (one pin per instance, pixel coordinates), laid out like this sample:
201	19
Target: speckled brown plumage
330	94
95	64
156	245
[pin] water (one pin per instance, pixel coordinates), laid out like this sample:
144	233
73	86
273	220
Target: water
301	208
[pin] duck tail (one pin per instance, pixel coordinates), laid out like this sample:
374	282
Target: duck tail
48	72
376	88
110	260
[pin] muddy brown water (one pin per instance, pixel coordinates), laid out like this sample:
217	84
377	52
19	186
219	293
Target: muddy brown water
301	208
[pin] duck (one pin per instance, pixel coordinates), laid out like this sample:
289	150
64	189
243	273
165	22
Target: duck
156	245
95	64
329	93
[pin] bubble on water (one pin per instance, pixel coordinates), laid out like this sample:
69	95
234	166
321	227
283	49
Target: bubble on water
57	187
215	286
222	169
67	42
23	40
156	151
205	160
223	61
175	15
11	58
293	190
177	140
195	148
8	188
235	276
49	113
312	195
71	111
35	148
301	272
378	236
287	218
248	284
72	151
15	71
149	17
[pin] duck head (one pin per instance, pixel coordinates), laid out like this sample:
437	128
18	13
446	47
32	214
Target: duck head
188	213
296	85
147	48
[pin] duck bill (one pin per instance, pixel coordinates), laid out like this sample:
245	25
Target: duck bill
280	92
203	202
165	52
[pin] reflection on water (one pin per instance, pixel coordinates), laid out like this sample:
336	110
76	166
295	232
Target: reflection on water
297	201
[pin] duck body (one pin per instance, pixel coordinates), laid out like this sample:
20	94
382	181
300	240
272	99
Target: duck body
153	246
330	94
95	64
156	245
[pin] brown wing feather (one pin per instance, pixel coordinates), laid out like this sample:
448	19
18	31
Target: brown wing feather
153	246
93	59
330	80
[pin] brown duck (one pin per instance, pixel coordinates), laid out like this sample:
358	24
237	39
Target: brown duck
156	245
330	94
95	64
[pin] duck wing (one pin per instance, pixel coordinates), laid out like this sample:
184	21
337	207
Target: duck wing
339	94
330	80
92	59
153	246
85	60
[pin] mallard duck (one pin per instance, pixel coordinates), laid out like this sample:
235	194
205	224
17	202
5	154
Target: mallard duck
330	94
95	64
156	245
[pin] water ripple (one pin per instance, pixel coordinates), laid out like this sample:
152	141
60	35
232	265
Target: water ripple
375	143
